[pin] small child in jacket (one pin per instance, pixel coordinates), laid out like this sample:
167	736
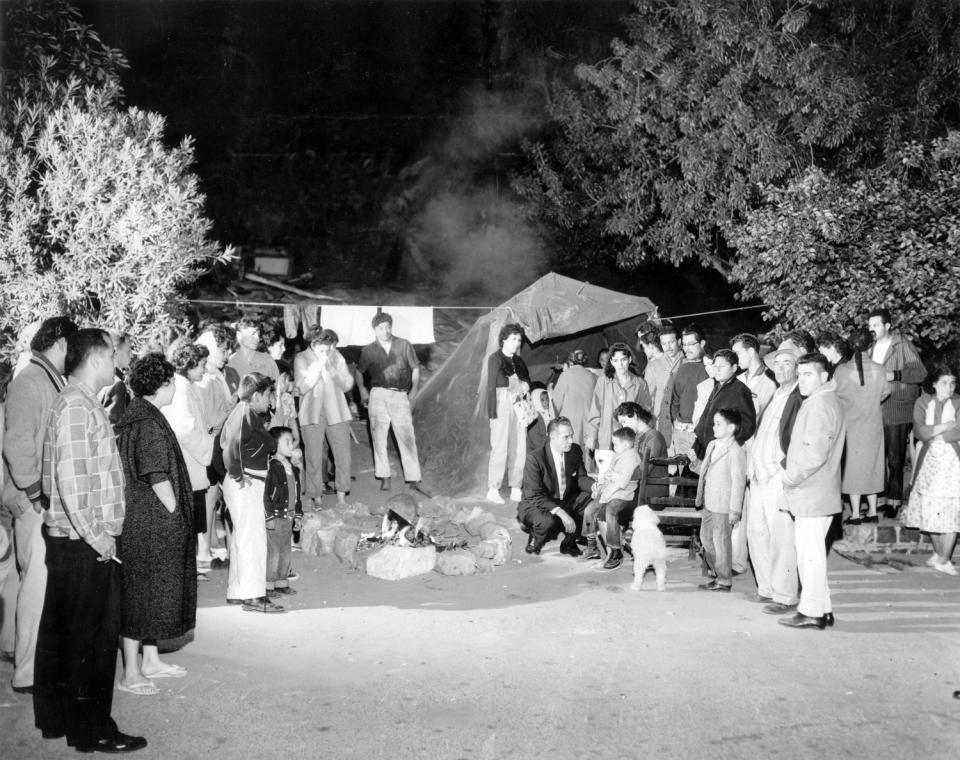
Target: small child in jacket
283	511
723	479
613	493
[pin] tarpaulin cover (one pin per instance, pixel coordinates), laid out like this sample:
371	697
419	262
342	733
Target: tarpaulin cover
558	314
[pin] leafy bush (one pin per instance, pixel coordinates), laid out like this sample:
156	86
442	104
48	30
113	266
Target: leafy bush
99	219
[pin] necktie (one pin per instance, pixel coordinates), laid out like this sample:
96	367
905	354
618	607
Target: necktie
562	478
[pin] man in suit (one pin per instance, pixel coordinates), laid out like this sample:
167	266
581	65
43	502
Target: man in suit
322	378
811	487
556	490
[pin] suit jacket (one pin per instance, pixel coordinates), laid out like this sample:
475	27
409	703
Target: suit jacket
811	478
540	480
723	477
322	395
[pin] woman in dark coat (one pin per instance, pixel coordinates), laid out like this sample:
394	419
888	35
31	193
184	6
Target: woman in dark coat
158	546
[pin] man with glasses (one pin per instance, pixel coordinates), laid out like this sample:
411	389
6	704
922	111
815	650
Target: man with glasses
683	396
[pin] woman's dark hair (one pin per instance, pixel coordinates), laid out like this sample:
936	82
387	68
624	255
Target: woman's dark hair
507	330
270	333
187	357
939	369
803	339
148	374
831	339
623	348
631	409
859	341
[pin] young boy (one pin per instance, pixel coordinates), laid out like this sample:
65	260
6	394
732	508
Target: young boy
723	478
614	492
281	503
247	447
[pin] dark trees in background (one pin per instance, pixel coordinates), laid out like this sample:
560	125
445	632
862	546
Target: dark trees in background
707	109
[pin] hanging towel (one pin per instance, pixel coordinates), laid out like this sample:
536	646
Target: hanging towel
352	324
310	313
415	323
291	319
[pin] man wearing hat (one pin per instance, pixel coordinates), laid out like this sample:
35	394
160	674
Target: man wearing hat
770	533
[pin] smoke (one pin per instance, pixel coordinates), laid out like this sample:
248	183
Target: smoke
459	222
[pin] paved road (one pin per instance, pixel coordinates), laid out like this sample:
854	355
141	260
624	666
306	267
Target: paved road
547	658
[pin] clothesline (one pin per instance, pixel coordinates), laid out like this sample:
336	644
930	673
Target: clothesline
237	302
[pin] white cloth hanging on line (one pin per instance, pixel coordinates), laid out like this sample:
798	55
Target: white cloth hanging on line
353	328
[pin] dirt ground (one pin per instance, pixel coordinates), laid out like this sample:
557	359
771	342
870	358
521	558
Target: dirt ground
547	657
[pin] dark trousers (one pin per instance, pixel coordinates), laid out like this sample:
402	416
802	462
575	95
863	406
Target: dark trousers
895	446
544	526
76	656
614	511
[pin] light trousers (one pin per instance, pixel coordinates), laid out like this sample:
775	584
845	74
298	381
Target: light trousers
811	535
508	448
247	577
9	586
770	535
337	437
205	539
386	408
31	556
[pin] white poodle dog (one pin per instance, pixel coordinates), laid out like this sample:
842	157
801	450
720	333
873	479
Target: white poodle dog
649	548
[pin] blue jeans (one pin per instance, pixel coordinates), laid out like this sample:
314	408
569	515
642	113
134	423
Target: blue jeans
715	533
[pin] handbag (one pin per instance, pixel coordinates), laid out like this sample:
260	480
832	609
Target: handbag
523	408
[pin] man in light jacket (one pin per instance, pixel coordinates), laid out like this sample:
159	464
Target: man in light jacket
811	487
30	396
322	377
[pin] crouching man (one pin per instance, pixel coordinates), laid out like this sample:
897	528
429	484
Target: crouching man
556	490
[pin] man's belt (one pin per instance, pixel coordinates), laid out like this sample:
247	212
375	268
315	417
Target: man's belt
683	427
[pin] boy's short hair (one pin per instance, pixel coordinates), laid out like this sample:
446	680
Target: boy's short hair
253	383
631	409
626	434
728	355
380	318
815	357
278	430
732	416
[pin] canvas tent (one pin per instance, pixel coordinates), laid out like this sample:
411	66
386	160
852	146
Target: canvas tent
558	315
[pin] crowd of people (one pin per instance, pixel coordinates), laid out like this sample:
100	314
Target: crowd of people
786	443
125	479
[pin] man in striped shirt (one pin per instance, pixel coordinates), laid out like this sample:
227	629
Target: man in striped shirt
80	624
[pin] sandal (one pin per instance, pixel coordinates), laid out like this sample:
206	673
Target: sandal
147	689
171	671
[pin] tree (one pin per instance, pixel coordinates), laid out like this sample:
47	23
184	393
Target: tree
658	151
823	250
100	219
661	147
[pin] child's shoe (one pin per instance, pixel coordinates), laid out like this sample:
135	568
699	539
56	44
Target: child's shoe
591	551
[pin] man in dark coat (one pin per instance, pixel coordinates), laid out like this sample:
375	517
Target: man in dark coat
556	490
728	393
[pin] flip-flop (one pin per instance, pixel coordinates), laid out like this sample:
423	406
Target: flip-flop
171	671
147	689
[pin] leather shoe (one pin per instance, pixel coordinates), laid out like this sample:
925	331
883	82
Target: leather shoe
230	600
755	597
22	689
829	619
713	586
614	560
533	546
776	608
115	744
803	621
569	547
47	734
